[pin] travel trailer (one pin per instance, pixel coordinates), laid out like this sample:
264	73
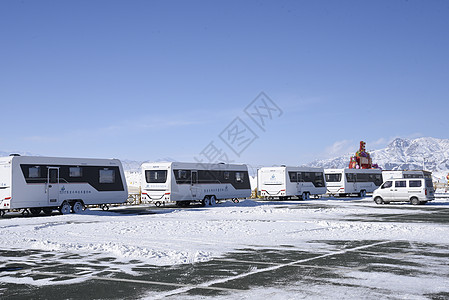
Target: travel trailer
389	174
184	183
413	190
34	183
344	182
287	182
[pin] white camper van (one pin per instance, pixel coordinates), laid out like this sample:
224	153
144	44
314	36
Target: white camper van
344	182
286	182
183	183
413	190
35	183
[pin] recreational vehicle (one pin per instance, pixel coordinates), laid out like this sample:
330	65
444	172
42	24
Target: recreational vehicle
184	183
286	182
34	183
344	182
389	174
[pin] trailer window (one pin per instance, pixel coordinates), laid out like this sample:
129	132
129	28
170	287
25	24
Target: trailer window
238	177
159	176
34	172
350	177
333	177
107	176
293	176
75	172
377	179
414	183
182	176
226	175
318	180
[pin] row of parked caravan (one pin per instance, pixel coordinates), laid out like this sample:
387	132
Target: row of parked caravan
414	186
37	184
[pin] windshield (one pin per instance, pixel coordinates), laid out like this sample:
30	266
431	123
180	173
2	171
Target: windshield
159	176
333	177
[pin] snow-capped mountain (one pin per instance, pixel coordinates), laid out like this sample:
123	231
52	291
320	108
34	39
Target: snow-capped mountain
427	153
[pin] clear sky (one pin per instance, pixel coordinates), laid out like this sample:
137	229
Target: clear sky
152	80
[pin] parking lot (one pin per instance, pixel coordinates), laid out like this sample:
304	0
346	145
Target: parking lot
388	268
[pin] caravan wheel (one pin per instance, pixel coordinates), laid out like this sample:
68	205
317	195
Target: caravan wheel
77	207
205	201
305	196
213	200
2	213
35	211
47	211
65	208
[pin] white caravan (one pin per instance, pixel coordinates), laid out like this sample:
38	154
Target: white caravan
183	183
286	182
389	174
344	182
35	183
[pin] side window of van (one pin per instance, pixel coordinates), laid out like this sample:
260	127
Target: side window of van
387	184
400	183
414	183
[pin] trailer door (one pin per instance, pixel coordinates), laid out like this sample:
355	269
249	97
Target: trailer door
193	186
53	185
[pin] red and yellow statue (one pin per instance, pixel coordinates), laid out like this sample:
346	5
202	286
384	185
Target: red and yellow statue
361	159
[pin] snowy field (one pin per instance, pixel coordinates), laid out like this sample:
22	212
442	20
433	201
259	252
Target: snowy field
318	249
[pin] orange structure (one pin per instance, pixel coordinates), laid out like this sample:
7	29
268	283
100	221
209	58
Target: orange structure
362	159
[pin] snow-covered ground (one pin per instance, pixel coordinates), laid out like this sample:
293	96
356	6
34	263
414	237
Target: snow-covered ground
172	236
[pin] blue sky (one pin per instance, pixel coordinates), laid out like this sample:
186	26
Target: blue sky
151	80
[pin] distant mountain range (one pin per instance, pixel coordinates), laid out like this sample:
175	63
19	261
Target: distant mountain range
427	153
432	154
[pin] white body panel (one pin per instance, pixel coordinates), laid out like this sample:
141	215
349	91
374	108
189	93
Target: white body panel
404	190
280	182
19	191
169	187
344	181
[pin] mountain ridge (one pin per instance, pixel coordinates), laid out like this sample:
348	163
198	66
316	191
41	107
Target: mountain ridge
427	153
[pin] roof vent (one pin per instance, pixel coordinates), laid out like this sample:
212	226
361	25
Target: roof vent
14	154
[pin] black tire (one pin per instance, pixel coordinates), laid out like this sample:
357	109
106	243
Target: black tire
379	200
2	213
35	211
47	211
205	201
415	201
